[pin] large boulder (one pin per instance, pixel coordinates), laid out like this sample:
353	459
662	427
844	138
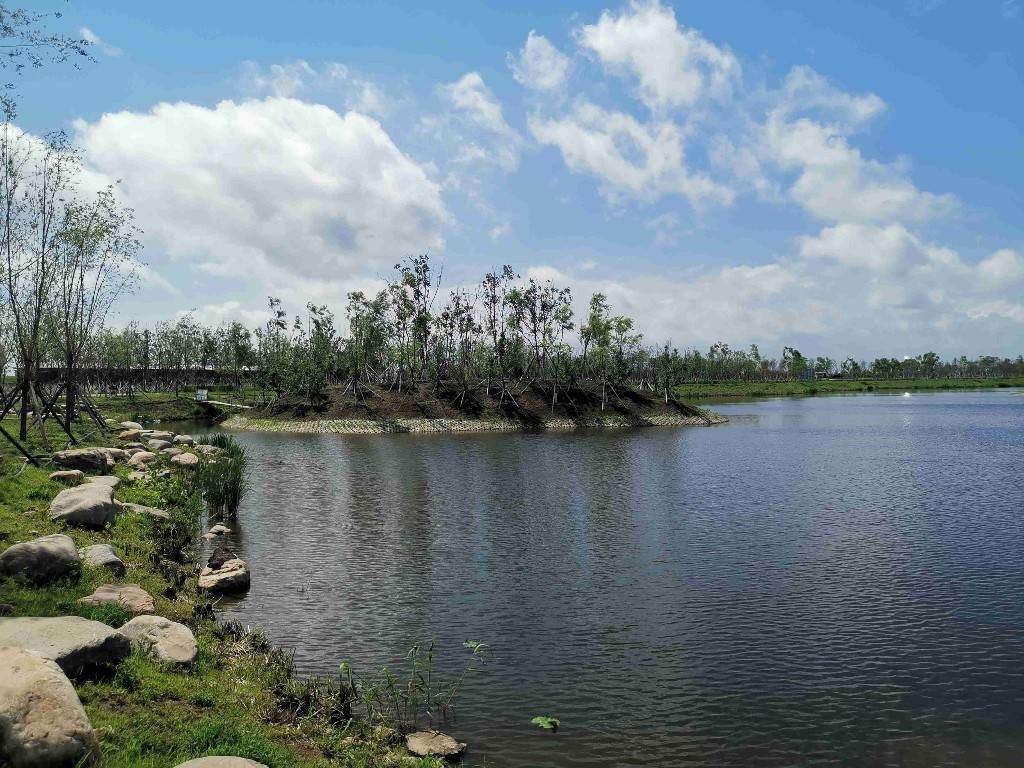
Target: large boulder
103	556
77	645
131	597
172	451
225	572
141	458
162	639
208	450
130	434
131	425
42	722
112	480
186	460
156	444
91	505
68	476
142	509
161	435
433	744
184	440
41	560
85	459
221	762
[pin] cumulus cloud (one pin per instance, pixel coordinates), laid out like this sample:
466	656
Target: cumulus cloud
270	188
539	66
640	160
673	66
1002	268
891	248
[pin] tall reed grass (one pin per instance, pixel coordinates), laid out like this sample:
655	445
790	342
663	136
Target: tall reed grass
222	478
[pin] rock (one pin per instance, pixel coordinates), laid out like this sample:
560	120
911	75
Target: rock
433	744
141	459
85	459
208	450
184	440
219	556
129	596
129	447
172	451
221	762
161	435
219	529
142	509
209	536
135	476
162	639
117	454
187	460
91	504
130	434
68	476
230	576
41	560
158	445
130	425
77	645
42	722
103	556
112	480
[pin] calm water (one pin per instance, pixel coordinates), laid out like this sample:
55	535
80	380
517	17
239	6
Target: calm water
830	581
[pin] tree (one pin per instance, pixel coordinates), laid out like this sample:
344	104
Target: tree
95	257
36	181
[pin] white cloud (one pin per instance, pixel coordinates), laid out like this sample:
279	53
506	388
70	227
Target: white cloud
539	66
226	312
674	67
834	181
98	42
1002	267
891	248
499	231
269	189
294	78
643	161
998	309
282	80
476	124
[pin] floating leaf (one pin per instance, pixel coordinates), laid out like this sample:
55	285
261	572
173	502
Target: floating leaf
546	722
475	646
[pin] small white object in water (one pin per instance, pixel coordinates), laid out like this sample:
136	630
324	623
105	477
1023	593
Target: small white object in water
906	394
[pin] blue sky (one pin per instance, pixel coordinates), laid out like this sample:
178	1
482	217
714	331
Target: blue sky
843	177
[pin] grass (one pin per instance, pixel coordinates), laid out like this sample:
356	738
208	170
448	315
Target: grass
736	389
239	698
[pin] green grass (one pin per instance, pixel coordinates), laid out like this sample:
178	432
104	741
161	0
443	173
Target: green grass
239	698
740	389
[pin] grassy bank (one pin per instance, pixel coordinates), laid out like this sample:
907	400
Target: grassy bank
741	389
238	698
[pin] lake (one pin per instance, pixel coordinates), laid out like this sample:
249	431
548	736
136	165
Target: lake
822	581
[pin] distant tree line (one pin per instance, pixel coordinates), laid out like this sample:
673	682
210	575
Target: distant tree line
500	336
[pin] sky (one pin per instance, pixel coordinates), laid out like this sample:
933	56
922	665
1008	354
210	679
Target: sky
847	178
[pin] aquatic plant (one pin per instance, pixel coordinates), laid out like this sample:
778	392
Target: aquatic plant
222	479
546	722
404	703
